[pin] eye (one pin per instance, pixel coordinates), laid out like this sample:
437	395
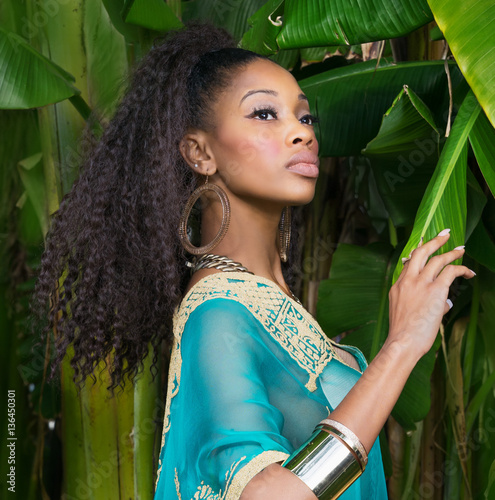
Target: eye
309	119
264	114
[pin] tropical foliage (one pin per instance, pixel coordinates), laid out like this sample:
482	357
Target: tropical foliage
405	96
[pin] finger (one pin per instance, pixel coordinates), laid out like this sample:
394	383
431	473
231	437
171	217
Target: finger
451	272
420	255
404	270
435	265
405	260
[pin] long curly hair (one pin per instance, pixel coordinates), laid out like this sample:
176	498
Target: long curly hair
113	270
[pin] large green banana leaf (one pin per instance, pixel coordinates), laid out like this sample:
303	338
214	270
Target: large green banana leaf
152	14
403	155
294	24
444	203
468	27
27	78
310	23
355	299
351	101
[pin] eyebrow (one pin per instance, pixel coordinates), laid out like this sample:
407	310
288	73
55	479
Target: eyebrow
301	97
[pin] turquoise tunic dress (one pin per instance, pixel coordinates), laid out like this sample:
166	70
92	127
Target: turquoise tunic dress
251	375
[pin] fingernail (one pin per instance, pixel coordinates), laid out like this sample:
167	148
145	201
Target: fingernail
462	247
473	272
405	259
445	232
449	302
420	242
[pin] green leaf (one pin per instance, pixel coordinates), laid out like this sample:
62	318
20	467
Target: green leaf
316	54
348	302
114	9
232	15
356	97
490	490
468	28
106	68
478	400
444	203
403	155
436	34
29	231
482	139
265	25
476	201
286	58
486	319
27	78
481	247
152	14
32	176
311	23
414	401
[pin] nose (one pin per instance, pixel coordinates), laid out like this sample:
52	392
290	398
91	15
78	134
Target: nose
300	133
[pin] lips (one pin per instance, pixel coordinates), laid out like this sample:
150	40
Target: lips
304	163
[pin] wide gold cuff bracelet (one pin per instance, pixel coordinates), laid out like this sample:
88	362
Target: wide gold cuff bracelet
329	462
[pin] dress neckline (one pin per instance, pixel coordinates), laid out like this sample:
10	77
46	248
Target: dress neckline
244	276
223	277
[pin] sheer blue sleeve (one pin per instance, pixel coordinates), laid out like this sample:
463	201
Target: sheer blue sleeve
223	427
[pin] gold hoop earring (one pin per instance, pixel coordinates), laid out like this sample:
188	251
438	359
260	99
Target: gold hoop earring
224	200
284	234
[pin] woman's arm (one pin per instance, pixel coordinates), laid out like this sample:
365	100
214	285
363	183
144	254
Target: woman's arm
418	301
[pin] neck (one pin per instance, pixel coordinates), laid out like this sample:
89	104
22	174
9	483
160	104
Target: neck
252	237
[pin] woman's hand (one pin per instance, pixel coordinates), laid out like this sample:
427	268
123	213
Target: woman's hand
418	299
418	302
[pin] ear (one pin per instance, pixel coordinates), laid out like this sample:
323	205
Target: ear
195	150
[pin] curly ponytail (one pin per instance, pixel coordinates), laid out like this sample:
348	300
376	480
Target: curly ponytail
113	268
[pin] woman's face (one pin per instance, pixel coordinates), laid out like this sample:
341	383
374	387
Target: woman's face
263	142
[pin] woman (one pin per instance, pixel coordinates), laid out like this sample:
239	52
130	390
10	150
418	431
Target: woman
251	372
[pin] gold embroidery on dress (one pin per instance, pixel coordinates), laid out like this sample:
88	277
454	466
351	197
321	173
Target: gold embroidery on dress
177	485
286	321
206	492
246	473
172	390
234	485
